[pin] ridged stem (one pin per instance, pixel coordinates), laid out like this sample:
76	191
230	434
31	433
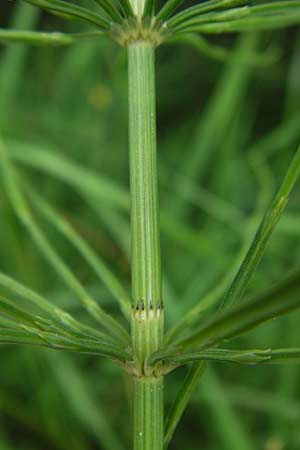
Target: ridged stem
147	308
145	244
148	413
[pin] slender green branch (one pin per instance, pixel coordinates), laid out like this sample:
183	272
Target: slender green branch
234	321
110	9
96	263
24	214
59	316
36	37
201	8
251	356
71	11
263	234
169	7
182	399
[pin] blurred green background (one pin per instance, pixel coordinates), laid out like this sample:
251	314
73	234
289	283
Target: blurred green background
226	132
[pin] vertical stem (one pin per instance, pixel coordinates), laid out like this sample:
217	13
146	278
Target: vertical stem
148	413
147	308
145	246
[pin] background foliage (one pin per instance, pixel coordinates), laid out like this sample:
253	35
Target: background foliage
227	130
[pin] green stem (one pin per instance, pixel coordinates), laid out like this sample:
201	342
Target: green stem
148	413
146	266
147	308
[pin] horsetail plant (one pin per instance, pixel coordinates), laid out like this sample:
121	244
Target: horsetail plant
146	353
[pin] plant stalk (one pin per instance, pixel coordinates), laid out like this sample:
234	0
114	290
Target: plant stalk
147	308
